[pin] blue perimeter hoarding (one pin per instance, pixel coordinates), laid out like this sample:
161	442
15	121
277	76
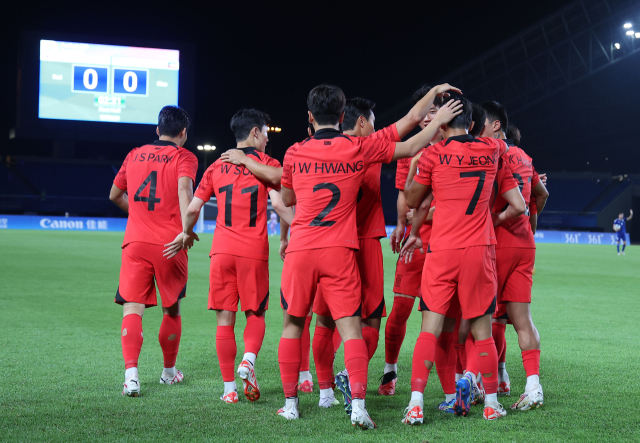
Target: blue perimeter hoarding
50	223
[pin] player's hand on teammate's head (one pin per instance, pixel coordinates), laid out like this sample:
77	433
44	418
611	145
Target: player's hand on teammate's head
233	156
447	112
443	90
413	242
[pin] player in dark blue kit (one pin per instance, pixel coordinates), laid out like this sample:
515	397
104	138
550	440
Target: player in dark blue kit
619	225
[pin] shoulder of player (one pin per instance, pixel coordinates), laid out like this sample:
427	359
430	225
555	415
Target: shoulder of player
184	152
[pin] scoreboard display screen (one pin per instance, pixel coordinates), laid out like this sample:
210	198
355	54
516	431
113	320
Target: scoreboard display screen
106	83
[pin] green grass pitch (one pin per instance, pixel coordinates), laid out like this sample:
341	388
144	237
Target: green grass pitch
62	368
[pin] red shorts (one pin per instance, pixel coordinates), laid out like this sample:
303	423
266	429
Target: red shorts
233	279
333	270
141	264
515	277
468	274
369	259
409	275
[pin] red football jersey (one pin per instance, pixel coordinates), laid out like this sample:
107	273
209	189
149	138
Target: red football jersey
461	171
403	165
516	233
326	172
241	226
369	215
150	176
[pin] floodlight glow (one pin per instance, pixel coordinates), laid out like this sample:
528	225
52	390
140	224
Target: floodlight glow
200	147
213	148
627	25
637	34
207	147
616	45
630	32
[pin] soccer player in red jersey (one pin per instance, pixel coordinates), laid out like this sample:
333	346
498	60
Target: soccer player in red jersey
322	176
160	176
359	121
407	277
515	257
460	254
240	250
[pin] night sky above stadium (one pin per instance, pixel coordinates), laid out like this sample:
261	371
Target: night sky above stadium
269	56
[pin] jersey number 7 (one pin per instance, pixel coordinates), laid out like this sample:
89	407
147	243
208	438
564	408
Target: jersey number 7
476	195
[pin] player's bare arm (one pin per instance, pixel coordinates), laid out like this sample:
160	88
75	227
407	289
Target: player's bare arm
262	172
630	214
420	109
395	239
185	196
288	197
414	241
539	191
515	209
285	213
120	198
284	238
415	193
189	220
412	146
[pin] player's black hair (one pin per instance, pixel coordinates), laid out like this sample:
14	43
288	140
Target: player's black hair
326	103
513	133
245	120
495	111
462	120
478	116
421	92
172	120
355	108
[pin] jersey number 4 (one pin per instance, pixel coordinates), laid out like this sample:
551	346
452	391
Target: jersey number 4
152	181
228	202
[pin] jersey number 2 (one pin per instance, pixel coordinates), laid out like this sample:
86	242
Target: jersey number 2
335	198
152	181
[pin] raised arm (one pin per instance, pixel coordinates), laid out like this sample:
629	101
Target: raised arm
265	173
120	198
421	109
412	146
630	214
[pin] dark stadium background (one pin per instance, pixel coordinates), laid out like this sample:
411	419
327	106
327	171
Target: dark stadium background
268	56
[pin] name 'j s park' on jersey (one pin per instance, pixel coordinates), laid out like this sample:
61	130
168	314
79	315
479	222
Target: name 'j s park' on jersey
461	171
241	225
325	172
149	175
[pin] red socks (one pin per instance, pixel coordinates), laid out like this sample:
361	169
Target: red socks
254	334
131	335
472	355
226	349
396	328
371	337
488	364
425	350
305	343
323	356
289	357
357	363
337	340
497	331
446	358
531	362
169	337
